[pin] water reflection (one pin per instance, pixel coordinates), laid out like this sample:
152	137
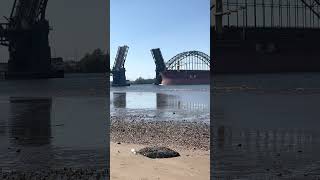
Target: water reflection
262	135
149	100
119	99
30	120
29	135
262	152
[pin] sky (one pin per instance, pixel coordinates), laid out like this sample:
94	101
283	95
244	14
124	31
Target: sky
79	26
174	26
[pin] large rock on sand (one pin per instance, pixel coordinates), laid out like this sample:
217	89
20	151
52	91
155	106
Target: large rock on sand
158	152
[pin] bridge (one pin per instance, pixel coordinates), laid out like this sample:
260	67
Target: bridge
118	70
265	36
26	35
190	67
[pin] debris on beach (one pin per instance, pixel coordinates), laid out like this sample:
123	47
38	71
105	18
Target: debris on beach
133	151
158	152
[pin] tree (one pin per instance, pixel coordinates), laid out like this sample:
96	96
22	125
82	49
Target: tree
96	62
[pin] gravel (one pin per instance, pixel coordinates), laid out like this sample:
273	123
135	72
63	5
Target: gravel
174	134
61	174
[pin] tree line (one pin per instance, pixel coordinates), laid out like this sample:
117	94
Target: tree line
95	62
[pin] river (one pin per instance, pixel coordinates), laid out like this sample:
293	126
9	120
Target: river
266	126
162	103
54	123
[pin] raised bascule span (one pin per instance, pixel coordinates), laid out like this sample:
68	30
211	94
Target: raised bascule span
118	70
191	67
265	36
26	35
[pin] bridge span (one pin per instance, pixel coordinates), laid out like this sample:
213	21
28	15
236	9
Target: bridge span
190	67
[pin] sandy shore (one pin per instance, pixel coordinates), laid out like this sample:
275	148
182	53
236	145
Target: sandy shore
190	139
191	165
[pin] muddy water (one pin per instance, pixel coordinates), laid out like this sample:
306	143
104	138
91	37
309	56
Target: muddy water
266	126
52	124
162	103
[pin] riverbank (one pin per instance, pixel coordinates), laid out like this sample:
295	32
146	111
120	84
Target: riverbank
190	139
192	164
174	134
61	174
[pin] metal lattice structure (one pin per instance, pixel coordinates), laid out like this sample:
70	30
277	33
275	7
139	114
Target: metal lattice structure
270	13
120	58
160	65
190	60
26	35
118	70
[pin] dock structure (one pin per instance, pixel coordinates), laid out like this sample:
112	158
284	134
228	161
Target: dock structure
118	70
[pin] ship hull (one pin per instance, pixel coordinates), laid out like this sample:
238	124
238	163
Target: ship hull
185	77
265	50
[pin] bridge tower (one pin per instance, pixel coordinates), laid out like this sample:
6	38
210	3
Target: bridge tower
160	65
118	70
26	36
217	7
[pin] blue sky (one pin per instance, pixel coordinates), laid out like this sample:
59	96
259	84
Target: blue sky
174	26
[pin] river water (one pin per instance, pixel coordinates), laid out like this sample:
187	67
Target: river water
54	123
266	126
162	103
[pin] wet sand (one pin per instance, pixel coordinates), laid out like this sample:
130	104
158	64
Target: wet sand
190	139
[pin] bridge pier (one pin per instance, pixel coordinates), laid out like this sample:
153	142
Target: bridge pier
119	78
29	53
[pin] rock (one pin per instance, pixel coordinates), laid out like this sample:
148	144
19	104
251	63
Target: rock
158	152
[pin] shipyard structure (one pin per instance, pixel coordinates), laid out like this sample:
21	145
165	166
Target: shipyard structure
187	68
265	36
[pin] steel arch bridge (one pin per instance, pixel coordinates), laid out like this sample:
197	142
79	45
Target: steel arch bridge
189	60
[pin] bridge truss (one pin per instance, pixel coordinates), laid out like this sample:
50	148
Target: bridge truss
190	60
270	13
26	35
118	70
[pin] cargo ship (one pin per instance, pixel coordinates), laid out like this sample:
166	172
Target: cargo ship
266	50
185	77
274	36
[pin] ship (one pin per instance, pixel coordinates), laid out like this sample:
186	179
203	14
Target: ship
266	50
247	39
185	77
186	68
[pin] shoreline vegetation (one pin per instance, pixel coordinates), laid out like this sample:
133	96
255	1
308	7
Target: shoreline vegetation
141	80
95	62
